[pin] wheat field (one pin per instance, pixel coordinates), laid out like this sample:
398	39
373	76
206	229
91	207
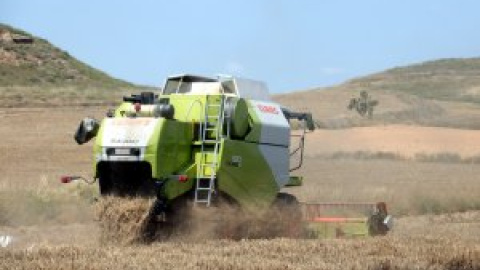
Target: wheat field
54	226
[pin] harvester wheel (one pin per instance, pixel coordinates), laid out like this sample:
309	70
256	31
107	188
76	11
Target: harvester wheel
233	223
286	219
376	225
163	223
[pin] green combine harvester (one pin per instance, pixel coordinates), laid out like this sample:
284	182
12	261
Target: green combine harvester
201	142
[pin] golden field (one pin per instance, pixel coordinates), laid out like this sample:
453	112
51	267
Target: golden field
427	176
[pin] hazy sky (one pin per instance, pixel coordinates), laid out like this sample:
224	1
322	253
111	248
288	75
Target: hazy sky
291	45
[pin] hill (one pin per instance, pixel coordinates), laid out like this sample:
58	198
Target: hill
33	72
26	60
443	92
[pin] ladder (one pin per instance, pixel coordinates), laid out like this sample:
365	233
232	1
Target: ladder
211	130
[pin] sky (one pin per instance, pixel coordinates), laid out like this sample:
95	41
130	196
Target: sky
291	45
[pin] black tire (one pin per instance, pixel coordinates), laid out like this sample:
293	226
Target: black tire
376	226
287	217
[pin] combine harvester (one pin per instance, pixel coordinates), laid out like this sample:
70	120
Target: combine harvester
207	142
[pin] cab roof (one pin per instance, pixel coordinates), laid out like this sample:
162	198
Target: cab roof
224	84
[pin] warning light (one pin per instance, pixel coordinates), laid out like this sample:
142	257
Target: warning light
137	106
182	178
66	179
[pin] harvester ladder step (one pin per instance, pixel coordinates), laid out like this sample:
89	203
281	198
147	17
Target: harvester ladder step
211	165
208	165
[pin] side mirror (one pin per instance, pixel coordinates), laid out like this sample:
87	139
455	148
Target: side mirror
310	122
301	116
87	129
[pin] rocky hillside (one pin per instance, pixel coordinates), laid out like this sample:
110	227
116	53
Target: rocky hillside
444	92
26	60
35	73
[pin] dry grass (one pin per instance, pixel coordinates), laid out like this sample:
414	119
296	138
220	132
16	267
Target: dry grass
402	140
379	253
445	157
40	204
407	187
62	96
122	221
427	242
416	170
37	148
